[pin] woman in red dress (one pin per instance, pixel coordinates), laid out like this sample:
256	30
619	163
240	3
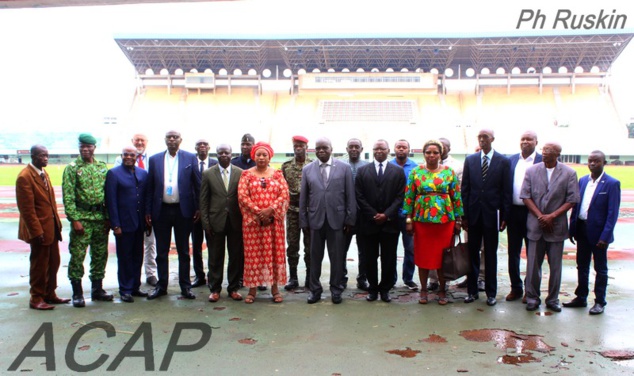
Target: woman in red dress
433	209
263	198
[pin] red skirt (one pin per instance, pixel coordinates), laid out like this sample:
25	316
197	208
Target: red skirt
429	241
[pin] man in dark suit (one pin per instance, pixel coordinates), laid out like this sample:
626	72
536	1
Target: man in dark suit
41	227
222	220
549	190
172	203
379	188
486	194
198	235
516	221
592	226
327	206
125	199
244	160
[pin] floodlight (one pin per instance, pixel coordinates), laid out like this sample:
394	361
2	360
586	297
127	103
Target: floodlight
374	70
485	71
595	69
178	72
266	73
301	71
252	72
287	73
404	70
345	70
449	72
433	71
470	72
316	70
516	70
562	70
209	71
547	70
389	70
579	69
531	70
237	72
149	72
331	70
164	72
222	72
360	70
500	70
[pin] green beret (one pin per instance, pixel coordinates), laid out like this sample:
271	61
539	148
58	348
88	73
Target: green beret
87	138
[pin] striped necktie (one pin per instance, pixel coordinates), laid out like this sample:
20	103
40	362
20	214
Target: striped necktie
485	167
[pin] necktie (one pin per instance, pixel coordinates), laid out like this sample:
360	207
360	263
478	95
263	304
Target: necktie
140	163
225	179
43	176
485	167
202	167
324	174
380	171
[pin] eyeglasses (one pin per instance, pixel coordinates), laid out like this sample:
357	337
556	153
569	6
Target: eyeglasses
129	155
262	182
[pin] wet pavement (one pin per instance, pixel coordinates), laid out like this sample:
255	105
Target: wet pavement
291	338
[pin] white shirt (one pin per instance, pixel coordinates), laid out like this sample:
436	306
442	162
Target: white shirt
587	197
170	179
228	169
376	166
205	163
456	166
518	176
489	156
549	173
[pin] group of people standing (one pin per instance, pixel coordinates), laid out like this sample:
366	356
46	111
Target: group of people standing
256	214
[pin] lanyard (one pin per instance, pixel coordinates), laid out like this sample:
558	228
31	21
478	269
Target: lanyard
170	170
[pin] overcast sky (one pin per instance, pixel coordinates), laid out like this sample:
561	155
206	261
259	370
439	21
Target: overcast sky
61	66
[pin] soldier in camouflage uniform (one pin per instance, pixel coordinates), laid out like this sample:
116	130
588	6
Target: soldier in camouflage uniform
84	202
292	170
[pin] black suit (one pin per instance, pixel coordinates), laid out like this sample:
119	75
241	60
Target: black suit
516	230
197	237
384	195
486	204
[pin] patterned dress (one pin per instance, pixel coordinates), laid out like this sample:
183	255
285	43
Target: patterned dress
264	246
433	200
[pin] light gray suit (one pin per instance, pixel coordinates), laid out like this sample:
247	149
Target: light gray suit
221	216
325	209
548	197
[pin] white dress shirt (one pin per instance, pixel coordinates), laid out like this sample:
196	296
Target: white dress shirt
587	197
518	176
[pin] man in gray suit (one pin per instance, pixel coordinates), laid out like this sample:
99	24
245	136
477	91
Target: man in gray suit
327	206
549	190
221	219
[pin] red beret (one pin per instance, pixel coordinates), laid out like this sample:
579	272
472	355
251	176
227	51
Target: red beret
300	139
262	145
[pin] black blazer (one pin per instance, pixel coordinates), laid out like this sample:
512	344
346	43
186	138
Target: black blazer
374	196
482	200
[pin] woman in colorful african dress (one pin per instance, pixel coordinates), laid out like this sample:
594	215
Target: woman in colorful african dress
263	198
433	209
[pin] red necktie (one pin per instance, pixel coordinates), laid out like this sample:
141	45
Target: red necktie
140	161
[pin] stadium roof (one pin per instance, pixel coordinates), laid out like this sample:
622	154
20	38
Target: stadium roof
538	51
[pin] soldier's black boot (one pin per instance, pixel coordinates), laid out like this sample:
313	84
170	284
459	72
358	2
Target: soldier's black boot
78	294
98	292
293	283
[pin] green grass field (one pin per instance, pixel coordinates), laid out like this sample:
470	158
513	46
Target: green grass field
9	173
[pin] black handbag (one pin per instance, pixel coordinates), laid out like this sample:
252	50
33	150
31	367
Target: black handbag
455	260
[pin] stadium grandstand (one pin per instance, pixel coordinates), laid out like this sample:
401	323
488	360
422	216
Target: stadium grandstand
415	86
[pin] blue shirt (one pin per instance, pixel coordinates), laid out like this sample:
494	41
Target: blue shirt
407	168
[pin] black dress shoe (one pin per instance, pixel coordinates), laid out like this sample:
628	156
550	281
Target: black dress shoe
554	307
363	285
313	298
491	301
372	296
199	282
471	298
336	298
152	281
188	294
532	306
127	298
156	293
385	296
597	309
140	293
576	303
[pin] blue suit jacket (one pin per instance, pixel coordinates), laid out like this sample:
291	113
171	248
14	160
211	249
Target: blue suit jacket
374	196
336	200
484	199
125	198
188	184
603	211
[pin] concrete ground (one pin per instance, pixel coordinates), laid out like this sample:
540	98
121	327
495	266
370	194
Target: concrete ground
353	338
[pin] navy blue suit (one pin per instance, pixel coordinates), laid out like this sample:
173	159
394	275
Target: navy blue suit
198	235
178	216
486	204
602	216
125	200
516	231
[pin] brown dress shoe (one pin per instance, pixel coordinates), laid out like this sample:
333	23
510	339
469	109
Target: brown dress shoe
235	295
56	300
514	295
41	305
214	297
